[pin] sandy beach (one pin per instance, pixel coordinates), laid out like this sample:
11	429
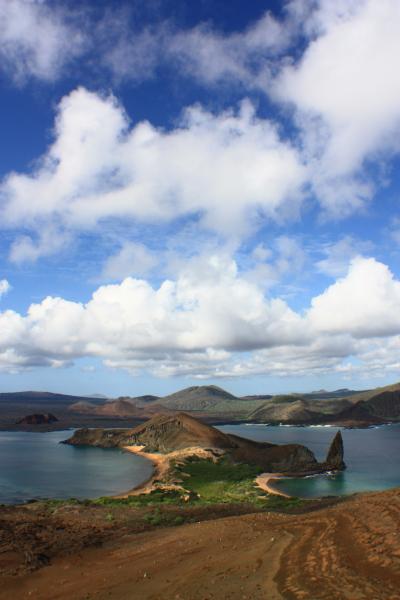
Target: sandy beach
161	465
265	482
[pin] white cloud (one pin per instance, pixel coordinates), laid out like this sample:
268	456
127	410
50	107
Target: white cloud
212	321
36	39
202	311
132	259
364	303
49	240
284	258
229	168
345	86
213	57
4	287
340	254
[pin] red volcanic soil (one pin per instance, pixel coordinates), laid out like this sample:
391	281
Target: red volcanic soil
347	551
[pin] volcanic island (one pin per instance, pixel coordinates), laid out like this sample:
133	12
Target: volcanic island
171	441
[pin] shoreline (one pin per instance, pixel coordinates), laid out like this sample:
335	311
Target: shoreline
160	468
265	481
161	464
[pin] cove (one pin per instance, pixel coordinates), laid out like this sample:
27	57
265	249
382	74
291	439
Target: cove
36	465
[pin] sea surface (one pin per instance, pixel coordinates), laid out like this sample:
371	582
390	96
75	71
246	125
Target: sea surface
36	465
372	457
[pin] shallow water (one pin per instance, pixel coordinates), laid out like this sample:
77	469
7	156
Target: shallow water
36	465
371	455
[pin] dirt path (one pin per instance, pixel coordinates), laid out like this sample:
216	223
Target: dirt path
347	552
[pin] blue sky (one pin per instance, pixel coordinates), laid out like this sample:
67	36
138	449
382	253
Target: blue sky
199	193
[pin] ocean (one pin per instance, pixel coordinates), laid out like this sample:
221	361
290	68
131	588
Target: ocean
36	465
371	455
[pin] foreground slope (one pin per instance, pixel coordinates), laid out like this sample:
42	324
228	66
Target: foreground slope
349	551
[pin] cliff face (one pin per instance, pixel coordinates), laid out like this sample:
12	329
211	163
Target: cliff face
334	458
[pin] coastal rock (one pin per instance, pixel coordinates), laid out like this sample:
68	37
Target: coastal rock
334	459
38	419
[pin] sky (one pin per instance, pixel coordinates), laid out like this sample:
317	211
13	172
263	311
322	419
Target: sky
199	193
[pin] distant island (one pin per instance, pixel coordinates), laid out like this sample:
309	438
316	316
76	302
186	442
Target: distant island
38	419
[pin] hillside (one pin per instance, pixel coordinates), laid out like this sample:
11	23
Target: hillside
198	398
366	395
380	406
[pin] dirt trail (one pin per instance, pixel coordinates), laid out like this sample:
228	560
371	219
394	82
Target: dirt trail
162	467
347	552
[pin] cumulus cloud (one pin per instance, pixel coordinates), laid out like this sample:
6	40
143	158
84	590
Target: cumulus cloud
36	40
364	303
133	321
212	322
229	168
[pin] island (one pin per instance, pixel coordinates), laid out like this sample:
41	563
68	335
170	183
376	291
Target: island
171	441
38	419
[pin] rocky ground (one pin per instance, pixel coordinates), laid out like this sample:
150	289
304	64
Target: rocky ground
350	550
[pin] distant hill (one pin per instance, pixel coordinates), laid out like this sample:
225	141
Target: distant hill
297	411
212	403
374	406
198	398
33	397
366	395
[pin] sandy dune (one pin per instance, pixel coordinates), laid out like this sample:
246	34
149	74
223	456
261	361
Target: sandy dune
350	551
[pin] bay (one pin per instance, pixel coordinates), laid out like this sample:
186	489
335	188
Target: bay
36	465
372	457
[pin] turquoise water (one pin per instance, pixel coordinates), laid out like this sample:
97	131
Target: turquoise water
372	457
36	465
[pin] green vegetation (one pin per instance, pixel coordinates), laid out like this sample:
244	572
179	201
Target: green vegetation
229	483
221	481
204	483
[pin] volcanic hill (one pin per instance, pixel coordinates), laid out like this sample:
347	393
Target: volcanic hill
168	433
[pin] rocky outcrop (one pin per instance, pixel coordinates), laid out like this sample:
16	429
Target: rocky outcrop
334	458
38	419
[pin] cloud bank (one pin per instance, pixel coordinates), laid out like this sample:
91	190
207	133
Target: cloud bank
212	321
